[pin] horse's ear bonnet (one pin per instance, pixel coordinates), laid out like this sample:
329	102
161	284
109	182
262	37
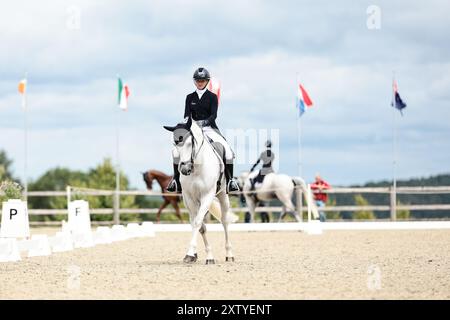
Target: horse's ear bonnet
169	128
181	125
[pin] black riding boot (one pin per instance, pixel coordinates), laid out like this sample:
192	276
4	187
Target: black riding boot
174	184
232	185
252	184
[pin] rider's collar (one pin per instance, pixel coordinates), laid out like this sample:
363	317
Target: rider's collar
200	92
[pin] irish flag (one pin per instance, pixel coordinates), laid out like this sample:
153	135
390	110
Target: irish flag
23	90
303	100
124	92
22	86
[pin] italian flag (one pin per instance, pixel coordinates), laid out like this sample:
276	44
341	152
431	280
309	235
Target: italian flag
124	92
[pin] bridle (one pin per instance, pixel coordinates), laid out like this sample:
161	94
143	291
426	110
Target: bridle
194	143
148	181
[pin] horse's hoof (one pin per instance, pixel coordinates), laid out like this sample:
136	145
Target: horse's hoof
229	259
190	259
210	261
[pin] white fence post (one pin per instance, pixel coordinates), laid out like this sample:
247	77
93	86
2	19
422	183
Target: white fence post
393	204
116	214
68	195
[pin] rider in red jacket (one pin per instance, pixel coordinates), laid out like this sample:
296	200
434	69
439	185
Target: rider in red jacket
320	197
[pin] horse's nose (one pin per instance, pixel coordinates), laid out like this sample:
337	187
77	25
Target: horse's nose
186	168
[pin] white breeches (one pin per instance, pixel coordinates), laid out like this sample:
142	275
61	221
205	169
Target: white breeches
214	136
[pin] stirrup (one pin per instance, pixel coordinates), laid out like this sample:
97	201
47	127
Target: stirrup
232	186
173	187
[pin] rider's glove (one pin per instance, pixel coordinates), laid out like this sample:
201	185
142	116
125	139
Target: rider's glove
203	123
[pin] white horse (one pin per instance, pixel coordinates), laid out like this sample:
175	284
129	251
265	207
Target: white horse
201	168
274	186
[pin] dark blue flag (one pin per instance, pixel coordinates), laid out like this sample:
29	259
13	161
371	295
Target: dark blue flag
398	102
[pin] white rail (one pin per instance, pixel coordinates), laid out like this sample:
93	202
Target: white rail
73	191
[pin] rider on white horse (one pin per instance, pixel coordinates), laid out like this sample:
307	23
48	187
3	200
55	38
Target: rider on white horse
202	105
266	157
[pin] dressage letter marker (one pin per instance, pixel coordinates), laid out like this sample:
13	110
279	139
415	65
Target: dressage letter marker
15	219
12	212
79	218
80	224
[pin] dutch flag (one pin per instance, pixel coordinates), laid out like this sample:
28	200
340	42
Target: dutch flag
303	100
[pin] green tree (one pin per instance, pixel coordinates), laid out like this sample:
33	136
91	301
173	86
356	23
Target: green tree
366	215
104	177
5	167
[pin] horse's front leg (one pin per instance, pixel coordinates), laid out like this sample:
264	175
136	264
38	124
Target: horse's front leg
158	214
224	207
209	255
192	207
197	222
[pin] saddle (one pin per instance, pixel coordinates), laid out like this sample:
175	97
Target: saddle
258	180
256	183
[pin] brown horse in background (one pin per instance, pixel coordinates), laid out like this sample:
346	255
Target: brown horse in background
163	180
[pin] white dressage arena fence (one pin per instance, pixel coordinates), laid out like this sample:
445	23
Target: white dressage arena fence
393	207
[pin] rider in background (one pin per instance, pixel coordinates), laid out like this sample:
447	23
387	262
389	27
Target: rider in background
320	197
202	105
266	157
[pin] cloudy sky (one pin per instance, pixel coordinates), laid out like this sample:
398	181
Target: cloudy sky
343	52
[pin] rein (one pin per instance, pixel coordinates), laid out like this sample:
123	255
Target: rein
194	142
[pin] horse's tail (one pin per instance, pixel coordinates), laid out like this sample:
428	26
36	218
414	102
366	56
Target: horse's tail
297	181
215	210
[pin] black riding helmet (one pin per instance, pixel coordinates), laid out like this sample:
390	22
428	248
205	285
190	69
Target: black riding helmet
268	143
201	74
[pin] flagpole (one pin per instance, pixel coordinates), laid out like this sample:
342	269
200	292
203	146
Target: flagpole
299	158
25	131
299	137
117	193
394	154
299	146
